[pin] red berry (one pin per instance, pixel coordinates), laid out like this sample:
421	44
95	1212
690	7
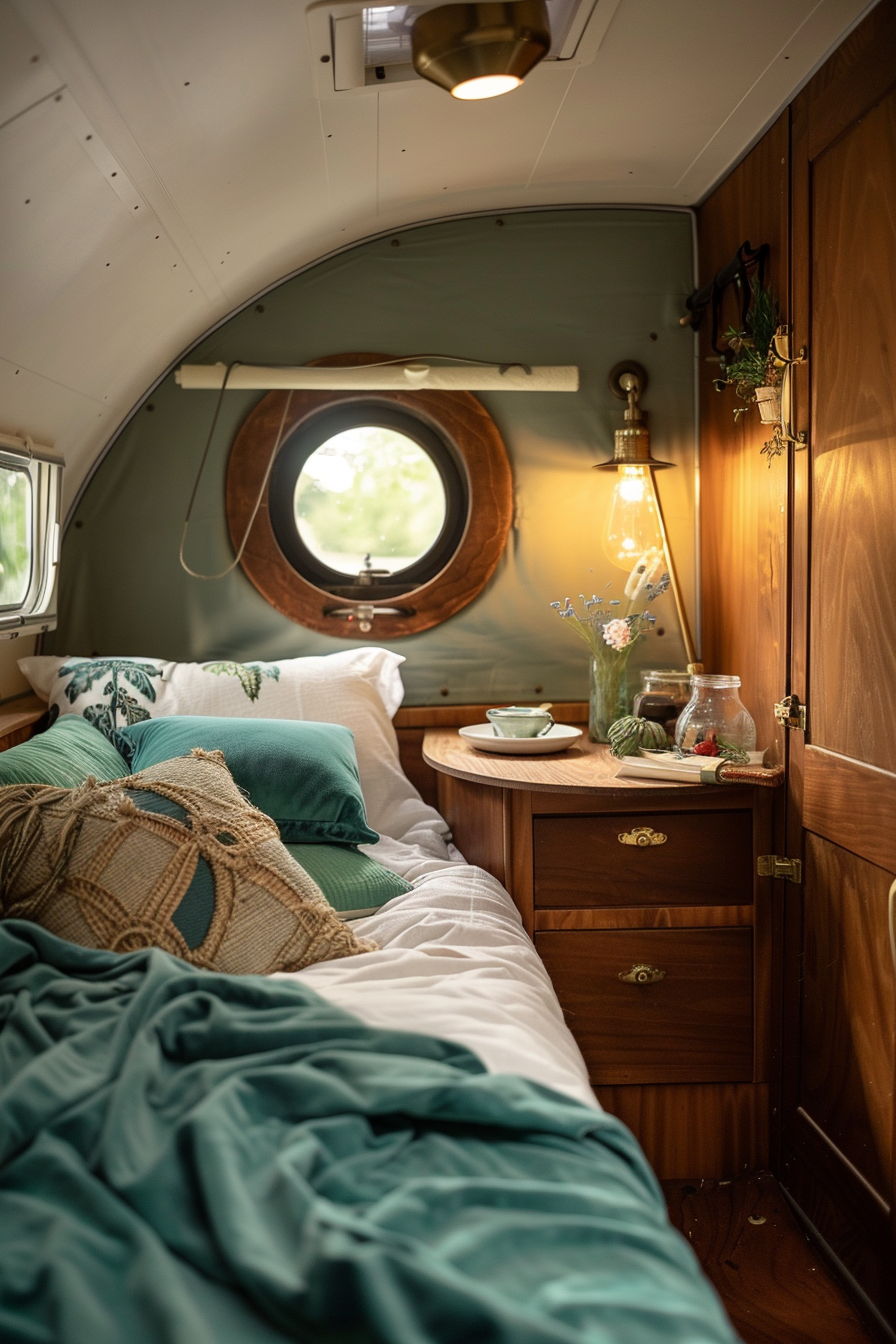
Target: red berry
706	748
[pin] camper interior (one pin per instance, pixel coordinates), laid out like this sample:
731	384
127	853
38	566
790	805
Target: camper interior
332	997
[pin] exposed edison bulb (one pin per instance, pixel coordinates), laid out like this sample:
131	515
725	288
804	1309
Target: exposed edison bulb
632	529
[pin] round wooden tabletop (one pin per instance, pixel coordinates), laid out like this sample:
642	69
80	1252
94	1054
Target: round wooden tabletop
582	768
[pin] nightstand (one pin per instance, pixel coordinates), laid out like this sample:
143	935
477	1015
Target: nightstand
644	905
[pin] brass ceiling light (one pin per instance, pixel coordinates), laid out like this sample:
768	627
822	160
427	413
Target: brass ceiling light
480	50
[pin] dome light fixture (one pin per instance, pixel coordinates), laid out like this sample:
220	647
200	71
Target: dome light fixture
480	50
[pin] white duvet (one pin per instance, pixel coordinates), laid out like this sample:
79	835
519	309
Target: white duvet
456	963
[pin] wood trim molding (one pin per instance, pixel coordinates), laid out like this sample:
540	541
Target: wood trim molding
851	805
457	416
19	720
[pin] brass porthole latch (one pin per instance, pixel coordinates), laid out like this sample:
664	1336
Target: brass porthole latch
642	975
642	836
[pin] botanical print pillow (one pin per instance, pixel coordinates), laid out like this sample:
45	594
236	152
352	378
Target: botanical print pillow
357	687
114	692
173	857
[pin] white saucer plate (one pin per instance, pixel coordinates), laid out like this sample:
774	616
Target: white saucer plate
483	737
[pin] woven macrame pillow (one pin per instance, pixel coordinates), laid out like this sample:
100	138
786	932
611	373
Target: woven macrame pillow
173	857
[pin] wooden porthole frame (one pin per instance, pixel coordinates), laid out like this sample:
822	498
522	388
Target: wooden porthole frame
460	420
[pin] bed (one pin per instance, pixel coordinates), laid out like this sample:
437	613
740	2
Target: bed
396	1145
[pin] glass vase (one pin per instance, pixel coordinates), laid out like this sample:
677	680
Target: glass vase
608	694
715	708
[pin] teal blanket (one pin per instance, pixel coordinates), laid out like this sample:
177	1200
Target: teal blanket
192	1158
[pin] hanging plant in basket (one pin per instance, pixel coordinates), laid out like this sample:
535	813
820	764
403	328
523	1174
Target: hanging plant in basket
752	366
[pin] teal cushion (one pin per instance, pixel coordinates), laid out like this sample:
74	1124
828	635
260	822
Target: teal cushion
64	755
304	775
354	884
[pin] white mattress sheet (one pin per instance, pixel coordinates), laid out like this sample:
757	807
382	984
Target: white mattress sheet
454	962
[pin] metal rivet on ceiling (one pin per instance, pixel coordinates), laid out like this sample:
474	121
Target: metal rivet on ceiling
28	200
259	307
500	223
79	522
652	336
396	243
324	60
150	406
444	691
88	137
186	83
114	174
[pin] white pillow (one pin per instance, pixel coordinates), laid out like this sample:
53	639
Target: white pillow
360	688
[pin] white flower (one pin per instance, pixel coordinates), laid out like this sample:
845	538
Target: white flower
617	634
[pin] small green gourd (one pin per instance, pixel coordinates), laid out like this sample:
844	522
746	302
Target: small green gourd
629	734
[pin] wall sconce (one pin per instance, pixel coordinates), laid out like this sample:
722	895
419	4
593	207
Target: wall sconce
480	50
635	533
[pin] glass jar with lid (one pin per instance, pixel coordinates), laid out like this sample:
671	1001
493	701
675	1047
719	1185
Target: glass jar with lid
663	695
715	710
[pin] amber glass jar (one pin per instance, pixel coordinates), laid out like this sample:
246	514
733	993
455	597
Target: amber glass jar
663	695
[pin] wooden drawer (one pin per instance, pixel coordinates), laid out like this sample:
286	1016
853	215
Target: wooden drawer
694	1026
706	859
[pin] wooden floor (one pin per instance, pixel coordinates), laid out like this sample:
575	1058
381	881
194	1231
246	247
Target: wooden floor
776	1288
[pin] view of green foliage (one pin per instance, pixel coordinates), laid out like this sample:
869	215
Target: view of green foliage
15	536
369	491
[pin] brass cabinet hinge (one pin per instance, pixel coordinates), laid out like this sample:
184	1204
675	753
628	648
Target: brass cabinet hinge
791	713
772	865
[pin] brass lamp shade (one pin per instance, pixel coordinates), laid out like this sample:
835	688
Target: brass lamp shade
480	50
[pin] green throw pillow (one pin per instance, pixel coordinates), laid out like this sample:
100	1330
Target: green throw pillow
64	755
354	884
304	775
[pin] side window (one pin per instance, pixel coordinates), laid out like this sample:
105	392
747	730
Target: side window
384	512
30	502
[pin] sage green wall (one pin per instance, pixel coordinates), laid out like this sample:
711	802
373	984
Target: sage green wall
578	286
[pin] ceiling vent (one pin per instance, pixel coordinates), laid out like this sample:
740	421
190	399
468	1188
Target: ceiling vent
360	47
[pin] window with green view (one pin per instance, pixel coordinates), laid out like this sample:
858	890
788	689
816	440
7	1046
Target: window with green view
369	491
15	536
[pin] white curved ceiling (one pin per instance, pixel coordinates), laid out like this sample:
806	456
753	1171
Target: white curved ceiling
161	161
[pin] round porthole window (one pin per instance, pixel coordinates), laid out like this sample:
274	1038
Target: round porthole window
369	496
384	513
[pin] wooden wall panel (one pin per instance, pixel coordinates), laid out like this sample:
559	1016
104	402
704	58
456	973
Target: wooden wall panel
853	609
718	1129
848	1029
743	501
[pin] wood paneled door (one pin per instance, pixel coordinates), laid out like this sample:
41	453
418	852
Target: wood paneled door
840	991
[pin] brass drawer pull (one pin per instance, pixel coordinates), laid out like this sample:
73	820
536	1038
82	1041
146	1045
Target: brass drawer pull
642	836
642	975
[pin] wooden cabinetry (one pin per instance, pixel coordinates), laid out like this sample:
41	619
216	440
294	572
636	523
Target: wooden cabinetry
797	594
680	1051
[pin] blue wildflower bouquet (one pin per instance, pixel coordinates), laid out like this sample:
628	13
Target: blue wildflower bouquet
611	635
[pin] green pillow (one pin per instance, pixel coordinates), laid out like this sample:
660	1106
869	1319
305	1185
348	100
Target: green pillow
64	755
304	775
354	884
